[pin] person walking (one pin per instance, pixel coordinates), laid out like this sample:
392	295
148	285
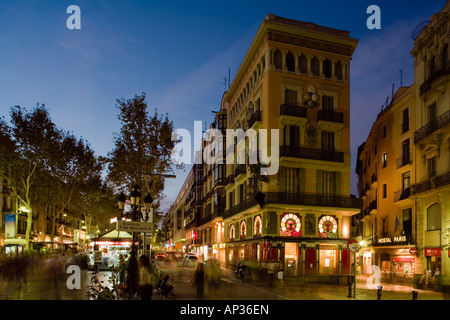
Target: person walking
212	274
271	272
147	277
198	279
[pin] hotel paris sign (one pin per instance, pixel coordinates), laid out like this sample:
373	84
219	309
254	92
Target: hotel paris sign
390	240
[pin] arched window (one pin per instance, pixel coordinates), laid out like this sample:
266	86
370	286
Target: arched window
338	70
277	59
290	62
434	217
315	66
303	64
432	66
327	68
444	56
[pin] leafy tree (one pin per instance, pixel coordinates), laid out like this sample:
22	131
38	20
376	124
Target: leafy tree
27	147
71	168
143	149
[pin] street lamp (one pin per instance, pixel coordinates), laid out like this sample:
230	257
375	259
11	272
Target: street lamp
134	215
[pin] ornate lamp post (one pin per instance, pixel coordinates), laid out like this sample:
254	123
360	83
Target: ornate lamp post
134	215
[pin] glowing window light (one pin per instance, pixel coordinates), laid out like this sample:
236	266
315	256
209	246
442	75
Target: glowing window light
327	224
257	225
232	232
290	224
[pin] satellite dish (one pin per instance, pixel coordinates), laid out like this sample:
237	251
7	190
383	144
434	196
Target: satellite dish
418	29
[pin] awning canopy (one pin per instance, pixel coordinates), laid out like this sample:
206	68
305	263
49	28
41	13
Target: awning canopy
21	242
115	235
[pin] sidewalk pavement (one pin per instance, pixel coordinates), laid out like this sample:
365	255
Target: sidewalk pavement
316	291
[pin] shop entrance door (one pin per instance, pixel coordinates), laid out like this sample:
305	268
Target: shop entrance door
310	262
291	258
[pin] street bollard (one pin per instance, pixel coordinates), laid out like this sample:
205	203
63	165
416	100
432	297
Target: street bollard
379	292
350	285
414	294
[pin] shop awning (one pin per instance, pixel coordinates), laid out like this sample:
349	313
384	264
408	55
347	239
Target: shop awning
115	235
21	242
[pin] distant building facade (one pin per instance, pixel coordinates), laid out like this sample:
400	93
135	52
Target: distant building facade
404	170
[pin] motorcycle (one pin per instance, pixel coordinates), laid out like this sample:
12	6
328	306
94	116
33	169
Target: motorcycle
239	272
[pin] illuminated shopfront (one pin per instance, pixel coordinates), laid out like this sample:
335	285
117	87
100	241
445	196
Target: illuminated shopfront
109	247
316	251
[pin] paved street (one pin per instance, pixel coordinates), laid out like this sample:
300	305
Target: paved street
230	289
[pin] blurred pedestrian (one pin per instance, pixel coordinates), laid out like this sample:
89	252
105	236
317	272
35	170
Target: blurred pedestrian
198	280
212	274
271	272
122	268
147	276
280	272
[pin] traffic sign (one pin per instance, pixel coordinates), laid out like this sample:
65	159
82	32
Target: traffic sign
413	251
352	244
134	226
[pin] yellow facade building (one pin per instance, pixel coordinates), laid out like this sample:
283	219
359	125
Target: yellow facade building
293	85
386	172
431	192
404	171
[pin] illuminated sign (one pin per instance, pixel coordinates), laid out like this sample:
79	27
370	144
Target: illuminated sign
257	225
327	226
394	239
290	225
432	252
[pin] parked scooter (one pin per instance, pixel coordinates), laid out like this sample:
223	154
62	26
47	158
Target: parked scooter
239	272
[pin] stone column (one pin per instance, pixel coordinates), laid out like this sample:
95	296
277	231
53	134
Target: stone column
296	57
283	59
333	69
321	60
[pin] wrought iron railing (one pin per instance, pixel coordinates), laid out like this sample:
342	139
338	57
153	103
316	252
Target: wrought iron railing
256	116
432	183
240	169
402	194
426	86
432	126
293	110
309	153
329	115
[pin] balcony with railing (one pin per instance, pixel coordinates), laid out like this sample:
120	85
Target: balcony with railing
330	115
313	200
256	116
427	84
429	128
230	179
404	160
309	153
402	194
293	111
240	169
432	183
374	178
220	182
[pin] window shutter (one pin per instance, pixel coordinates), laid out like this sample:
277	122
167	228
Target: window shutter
337	183
282	185
273	223
319	182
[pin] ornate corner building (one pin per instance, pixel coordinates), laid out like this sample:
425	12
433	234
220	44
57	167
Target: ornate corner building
404	169
293	84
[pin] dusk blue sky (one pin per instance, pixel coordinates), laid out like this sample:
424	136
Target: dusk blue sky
179	52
